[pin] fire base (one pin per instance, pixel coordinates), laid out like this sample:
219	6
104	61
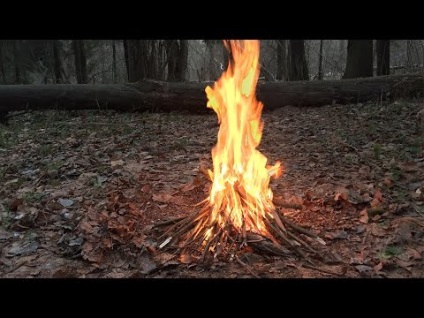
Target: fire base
186	235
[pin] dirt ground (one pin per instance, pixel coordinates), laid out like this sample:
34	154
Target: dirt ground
79	189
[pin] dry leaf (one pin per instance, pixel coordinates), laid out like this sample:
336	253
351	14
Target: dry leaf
378	267
115	163
185	259
364	218
66	203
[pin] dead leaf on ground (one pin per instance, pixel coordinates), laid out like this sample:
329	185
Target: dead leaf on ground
115	163
66	203
167	198
364	218
22	248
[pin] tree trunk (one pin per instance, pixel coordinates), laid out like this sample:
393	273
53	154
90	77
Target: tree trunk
187	96
114	74
137	56
153	61
127	65
78	61
359	61
281	60
298	70
320	74
409	59
57	62
171	48
16	61
383	57
181	69
83	63
2	70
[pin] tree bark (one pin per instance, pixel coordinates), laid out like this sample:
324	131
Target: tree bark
281	60
320	74
188	96
80	61
298	69
383	57
127	65
16	61
57	62
2	70
171	48
137	57
182	61
359	61
114	75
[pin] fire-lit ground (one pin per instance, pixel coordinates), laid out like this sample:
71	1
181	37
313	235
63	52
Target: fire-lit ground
78	190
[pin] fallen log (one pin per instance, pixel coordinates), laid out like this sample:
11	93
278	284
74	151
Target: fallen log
167	96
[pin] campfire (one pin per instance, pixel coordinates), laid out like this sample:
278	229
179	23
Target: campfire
239	211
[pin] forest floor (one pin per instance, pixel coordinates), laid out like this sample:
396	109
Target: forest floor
78	190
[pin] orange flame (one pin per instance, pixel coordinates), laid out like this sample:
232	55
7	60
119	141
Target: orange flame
240	190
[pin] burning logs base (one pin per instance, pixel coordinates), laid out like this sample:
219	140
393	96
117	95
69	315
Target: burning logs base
186	235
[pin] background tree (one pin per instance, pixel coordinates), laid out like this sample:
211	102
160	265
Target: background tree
298	67
320	73
17	60
383	57
359	61
80	61
177	54
57	62
2	63
281	60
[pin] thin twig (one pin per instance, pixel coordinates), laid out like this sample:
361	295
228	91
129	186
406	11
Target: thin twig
246	266
322	270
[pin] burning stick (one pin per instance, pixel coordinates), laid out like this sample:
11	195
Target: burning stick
240	204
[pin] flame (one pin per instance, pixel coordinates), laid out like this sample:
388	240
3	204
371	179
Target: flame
240	190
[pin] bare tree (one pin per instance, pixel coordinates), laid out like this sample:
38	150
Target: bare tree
298	69
137	60
57	62
2	66
359	61
177	54
127	64
16	61
80	61
281	60
383	57
114	69
320	73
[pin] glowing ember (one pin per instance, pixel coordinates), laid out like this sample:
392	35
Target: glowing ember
240	191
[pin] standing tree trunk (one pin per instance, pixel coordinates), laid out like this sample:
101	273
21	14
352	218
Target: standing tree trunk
298	69
171	48
161	60
80	61
114	74
281	60
181	69
359	61
137	56
383	57
153	60
57	62
83	63
177	54
320	74
16	61
409	59
127	65
3	73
